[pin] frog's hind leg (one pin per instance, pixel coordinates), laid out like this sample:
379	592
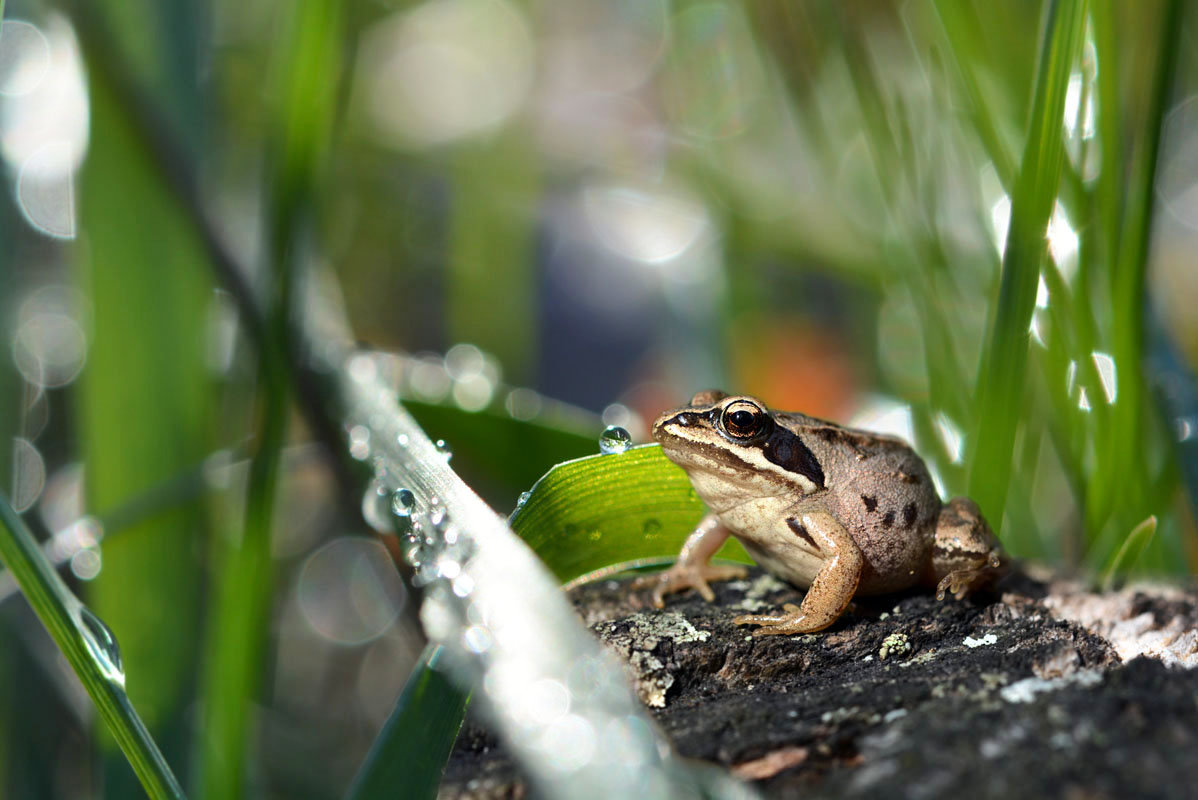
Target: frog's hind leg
831	590
966	554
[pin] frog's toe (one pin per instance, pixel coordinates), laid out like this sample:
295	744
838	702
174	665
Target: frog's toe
681	577
963	581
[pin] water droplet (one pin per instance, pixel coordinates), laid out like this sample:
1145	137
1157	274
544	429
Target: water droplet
651	528
402	502
478	639
374	508
359	442
443	449
463	585
522	499
402	440
439	519
614	440
102	644
426	572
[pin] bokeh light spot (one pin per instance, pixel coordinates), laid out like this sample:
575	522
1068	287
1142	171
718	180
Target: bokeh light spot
445	70
349	591
28	474
50	347
24	57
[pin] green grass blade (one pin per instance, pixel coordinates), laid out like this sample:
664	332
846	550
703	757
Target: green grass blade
582	516
410	753
305	85
142	412
1128	290
89	648
963	32
1002	374
1128	553
594	512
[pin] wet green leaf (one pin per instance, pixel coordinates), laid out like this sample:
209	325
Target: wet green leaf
592	513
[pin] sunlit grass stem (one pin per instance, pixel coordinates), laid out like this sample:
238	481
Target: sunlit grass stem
59	610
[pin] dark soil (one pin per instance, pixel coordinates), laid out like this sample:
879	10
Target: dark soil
999	695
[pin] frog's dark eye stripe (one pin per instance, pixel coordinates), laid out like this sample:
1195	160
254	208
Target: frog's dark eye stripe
787	450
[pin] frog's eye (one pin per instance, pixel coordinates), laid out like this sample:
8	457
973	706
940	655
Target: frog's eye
743	420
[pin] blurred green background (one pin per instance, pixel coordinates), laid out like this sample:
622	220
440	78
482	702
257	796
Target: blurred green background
928	218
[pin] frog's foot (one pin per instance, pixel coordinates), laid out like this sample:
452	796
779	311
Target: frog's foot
961	582
965	553
831	590
687	576
791	620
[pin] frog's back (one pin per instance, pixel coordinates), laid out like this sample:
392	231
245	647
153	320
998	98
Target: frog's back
881	491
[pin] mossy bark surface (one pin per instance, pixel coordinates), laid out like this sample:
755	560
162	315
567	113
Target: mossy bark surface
1038	689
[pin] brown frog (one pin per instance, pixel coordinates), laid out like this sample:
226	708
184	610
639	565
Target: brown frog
841	511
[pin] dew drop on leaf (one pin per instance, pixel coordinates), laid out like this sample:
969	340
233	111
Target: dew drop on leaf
102	644
614	440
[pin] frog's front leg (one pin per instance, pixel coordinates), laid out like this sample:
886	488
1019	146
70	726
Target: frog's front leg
692	570
966	554
831	590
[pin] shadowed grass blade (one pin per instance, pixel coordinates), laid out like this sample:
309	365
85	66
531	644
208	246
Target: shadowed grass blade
304	91
409	755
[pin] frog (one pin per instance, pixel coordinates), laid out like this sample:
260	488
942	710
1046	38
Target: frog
839	511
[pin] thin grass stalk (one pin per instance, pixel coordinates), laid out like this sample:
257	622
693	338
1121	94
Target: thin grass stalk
1128	284
1001	379
64	617
305	83
963	32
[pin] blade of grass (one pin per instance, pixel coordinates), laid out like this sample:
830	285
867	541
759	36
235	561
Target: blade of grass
1128	287
305	83
148	289
472	568
1002	374
1128	553
414	745
963	31
92	653
582	516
